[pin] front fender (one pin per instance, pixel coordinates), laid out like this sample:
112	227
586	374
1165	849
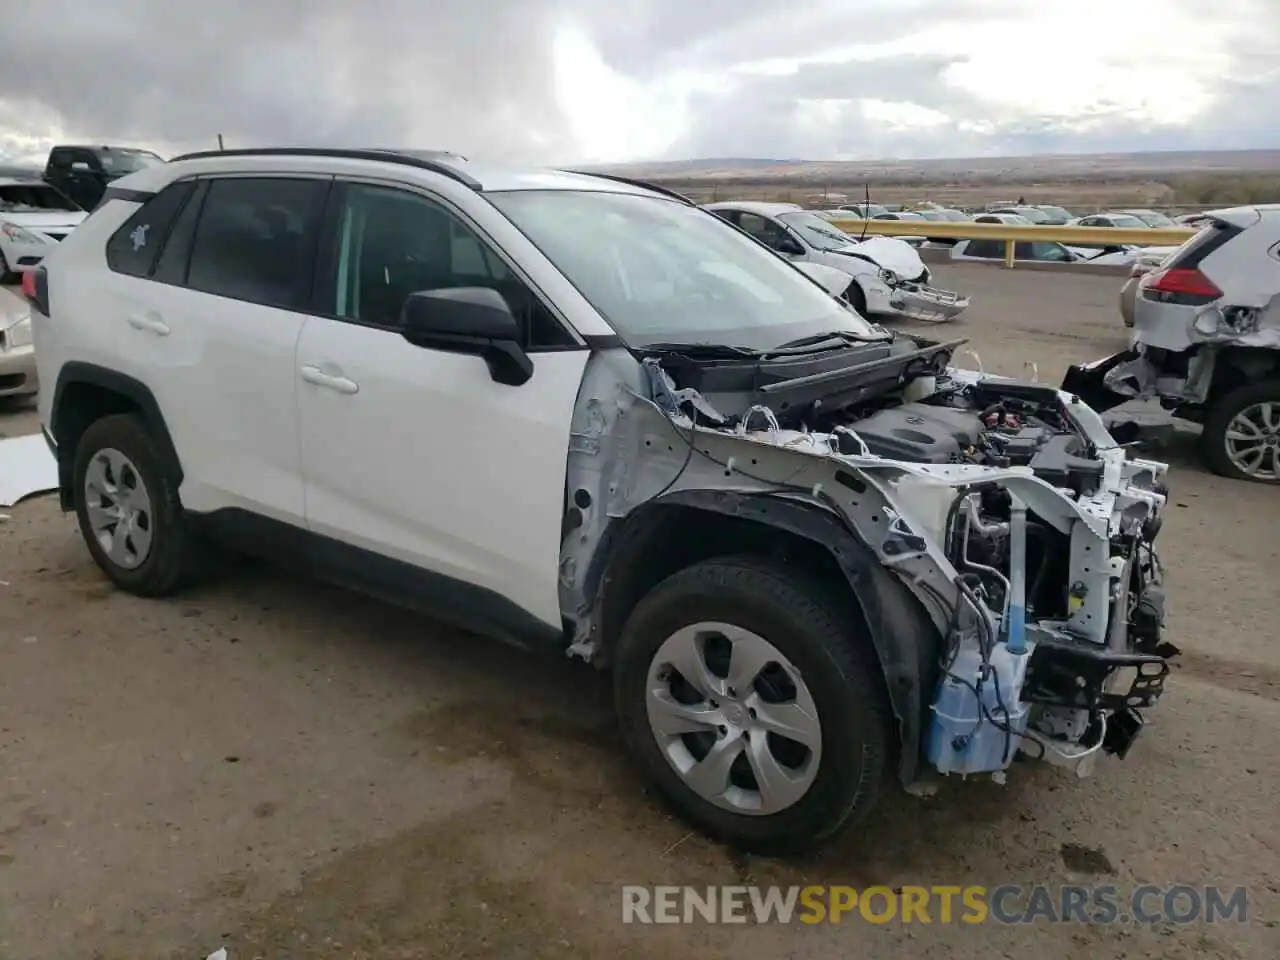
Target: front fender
907	645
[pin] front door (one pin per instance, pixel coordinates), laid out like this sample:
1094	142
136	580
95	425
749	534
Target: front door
433	473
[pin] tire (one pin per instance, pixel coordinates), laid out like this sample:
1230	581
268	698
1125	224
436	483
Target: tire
6	275
827	646
855	297
1223	411
174	557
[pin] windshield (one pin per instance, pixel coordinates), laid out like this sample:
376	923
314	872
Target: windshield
1153	219
32	198
1056	213
816	231
1126	221
127	161
660	271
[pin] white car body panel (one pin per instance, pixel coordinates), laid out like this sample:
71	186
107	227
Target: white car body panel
395	467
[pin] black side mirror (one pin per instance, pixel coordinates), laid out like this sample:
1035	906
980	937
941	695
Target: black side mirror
790	246
472	320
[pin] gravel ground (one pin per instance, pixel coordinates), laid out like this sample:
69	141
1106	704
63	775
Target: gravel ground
287	770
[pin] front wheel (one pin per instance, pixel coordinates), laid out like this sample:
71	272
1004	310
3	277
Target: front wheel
1241	435
855	297
752	699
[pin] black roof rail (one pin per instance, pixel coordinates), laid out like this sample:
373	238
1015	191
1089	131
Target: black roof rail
632	182
386	156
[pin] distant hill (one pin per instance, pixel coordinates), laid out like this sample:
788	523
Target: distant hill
1049	167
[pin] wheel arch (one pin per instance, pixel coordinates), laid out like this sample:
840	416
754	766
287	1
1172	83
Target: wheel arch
85	393
684	528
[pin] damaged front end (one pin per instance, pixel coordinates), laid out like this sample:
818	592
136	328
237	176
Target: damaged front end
1019	528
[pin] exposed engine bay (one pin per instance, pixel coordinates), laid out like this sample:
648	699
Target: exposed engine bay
1042	525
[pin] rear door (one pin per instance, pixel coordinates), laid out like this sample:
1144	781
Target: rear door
213	323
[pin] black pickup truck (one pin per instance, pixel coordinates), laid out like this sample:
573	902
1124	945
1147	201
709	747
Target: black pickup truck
83	172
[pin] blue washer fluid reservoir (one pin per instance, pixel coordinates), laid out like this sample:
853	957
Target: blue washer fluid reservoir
961	738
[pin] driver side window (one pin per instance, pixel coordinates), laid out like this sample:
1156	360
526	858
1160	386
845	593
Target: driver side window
766	231
391	243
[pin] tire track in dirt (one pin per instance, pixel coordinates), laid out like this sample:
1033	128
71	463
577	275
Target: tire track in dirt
1258	679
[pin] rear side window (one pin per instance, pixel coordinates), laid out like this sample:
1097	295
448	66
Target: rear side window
133	248
256	240
985	249
1211	236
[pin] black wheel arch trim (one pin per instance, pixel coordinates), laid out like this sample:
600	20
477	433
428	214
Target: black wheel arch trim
905	640
78	372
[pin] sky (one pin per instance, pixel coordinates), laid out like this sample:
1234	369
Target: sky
599	81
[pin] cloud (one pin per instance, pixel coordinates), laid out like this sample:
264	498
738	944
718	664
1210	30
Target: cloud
577	80
377	72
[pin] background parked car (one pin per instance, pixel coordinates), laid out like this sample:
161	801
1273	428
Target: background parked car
83	172
1006	218
1147	260
33	217
887	276
1115	218
862	211
1057	215
1033	215
1152	218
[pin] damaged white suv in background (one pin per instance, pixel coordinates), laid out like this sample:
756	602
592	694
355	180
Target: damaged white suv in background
888	277
1206	342
581	414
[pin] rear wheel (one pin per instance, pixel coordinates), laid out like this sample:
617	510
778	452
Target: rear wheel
129	512
6	274
749	697
1242	433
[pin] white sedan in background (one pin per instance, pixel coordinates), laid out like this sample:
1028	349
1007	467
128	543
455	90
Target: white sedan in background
887	276
34	217
17	355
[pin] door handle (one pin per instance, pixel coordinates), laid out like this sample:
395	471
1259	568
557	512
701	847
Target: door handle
331	381
149	322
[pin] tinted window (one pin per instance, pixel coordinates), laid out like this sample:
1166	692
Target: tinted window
31	198
176	255
392	243
255	240
132	249
766	231
986	249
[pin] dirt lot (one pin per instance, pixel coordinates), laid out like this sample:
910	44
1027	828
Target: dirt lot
290	771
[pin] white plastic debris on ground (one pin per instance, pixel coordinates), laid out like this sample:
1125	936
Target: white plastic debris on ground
219	954
26	468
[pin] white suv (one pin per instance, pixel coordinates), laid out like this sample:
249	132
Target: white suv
581	414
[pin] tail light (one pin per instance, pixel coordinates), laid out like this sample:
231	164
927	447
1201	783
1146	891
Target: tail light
1181	285
35	288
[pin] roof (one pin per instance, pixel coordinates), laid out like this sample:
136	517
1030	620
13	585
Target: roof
754	206
479	176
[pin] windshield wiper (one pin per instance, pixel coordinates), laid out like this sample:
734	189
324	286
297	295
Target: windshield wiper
847	336
706	350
